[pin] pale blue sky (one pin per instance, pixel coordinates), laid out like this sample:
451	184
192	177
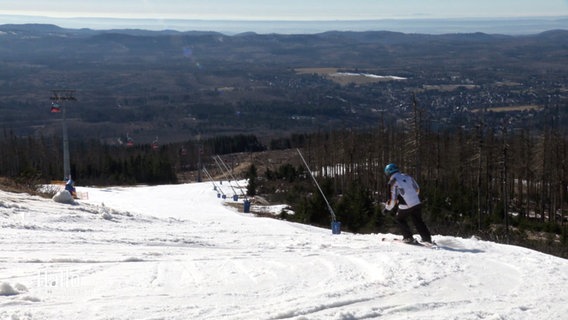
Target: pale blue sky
286	9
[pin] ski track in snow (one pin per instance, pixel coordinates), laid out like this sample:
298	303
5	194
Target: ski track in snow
176	252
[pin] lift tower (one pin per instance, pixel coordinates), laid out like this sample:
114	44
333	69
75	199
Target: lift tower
60	97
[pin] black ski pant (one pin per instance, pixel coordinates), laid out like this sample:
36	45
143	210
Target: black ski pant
415	213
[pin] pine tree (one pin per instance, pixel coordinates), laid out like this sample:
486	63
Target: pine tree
251	176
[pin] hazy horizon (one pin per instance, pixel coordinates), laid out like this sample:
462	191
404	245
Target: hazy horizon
292	16
291	10
504	25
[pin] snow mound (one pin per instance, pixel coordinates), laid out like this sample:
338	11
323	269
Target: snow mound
63	197
7	290
106	212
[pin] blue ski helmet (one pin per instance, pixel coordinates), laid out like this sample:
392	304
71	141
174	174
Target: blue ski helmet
390	169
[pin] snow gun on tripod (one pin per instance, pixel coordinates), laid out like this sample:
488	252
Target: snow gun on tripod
335	225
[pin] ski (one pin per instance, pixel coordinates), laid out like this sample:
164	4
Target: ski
431	245
417	243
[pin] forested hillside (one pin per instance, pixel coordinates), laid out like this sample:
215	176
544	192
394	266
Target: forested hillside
141	84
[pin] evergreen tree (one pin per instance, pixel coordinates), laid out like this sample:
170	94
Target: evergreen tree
251	176
355	209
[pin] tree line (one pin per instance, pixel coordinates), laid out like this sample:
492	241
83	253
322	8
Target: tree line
35	160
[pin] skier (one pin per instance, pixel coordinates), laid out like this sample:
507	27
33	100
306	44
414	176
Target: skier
404	195
69	186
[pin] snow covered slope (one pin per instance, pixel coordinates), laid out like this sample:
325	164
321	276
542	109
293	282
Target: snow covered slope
177	252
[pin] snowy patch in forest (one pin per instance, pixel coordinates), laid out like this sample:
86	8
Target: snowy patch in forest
367	75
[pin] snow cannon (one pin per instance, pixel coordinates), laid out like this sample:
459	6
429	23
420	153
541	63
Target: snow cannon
335	225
